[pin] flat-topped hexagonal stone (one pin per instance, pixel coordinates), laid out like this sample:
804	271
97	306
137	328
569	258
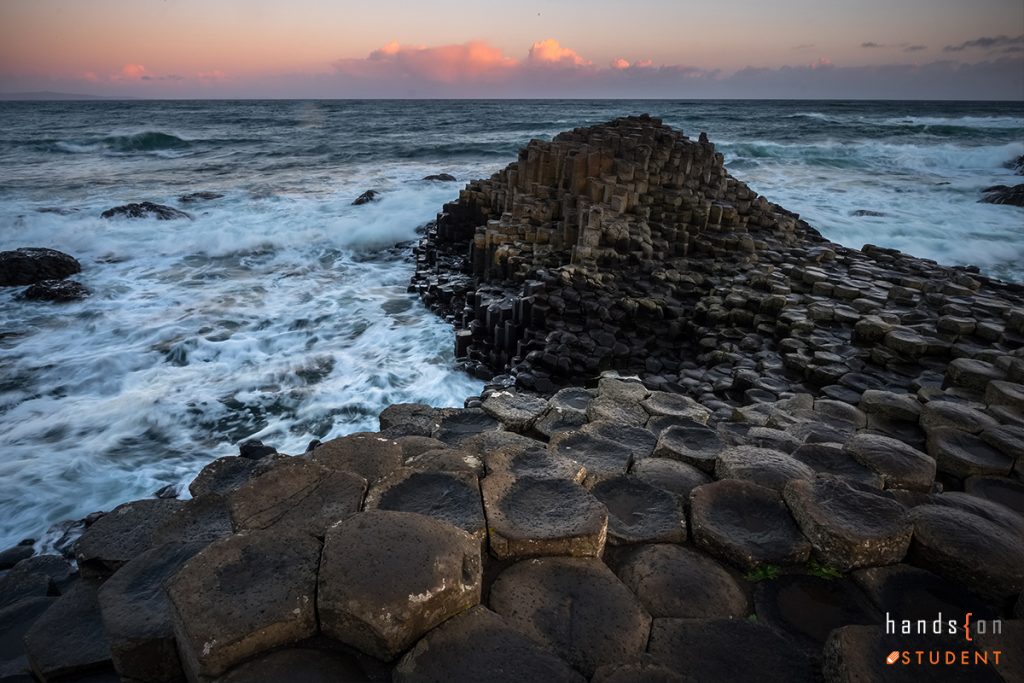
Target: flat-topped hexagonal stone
1009	439
457	425
972	374
676	581
678	478
1003	490
409	419
849	526
535	461
616	410
639	441
452	497
566	411
965	455
662	403
949	414
576	607
984	556
734	650
416	445
639	512
204	519
223	475
746	524
68	638
387	577
137	614
297	495
840	414
832	458
986	509
121	534
900	466
532	516
906	342
889	404
297	664
697	446
517	412
368	454
808	608
477	645
860	653
620	389
485	443
914	593
602	457
763	466
447	460
242	595
1008	394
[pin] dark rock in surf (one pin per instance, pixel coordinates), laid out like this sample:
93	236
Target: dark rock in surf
57	291
866	212
366	198
29	265
145	210
441	177
1004	194
193	197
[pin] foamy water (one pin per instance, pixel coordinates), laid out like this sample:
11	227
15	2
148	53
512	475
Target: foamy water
281	313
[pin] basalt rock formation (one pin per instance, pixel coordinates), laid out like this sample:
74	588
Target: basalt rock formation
821	438
628	246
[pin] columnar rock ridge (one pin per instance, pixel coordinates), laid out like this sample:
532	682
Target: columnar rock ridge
832	436
628	246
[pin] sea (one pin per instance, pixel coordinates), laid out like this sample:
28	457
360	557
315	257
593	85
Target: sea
281	311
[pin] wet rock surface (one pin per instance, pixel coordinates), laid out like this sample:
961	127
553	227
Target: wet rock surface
30	265
57	291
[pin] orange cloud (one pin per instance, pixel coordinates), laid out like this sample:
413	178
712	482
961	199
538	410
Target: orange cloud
445	63
619	64
550	51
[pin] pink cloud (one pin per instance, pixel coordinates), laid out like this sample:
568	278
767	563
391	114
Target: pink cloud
619	64
550	51
445	63
133	71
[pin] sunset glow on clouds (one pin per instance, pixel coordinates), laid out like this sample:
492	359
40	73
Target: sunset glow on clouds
574	48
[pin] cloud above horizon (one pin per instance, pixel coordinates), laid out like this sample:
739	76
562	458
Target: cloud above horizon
987	43
479	69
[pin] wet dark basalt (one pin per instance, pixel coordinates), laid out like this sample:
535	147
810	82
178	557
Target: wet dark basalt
145	210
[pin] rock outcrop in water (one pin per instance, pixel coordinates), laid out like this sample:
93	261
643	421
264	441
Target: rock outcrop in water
145	210
628	246
29	265
821	437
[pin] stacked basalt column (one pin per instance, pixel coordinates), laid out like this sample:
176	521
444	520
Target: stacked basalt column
569	260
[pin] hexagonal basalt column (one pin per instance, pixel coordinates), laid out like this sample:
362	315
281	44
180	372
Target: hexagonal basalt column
388	577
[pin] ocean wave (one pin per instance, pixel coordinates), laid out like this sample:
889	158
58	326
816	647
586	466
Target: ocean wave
988	122
877	154
145	142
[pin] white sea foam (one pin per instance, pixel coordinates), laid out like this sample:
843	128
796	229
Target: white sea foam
263	318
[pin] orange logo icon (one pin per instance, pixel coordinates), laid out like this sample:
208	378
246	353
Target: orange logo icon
893	656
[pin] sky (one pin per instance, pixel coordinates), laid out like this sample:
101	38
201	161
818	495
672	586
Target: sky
879	49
